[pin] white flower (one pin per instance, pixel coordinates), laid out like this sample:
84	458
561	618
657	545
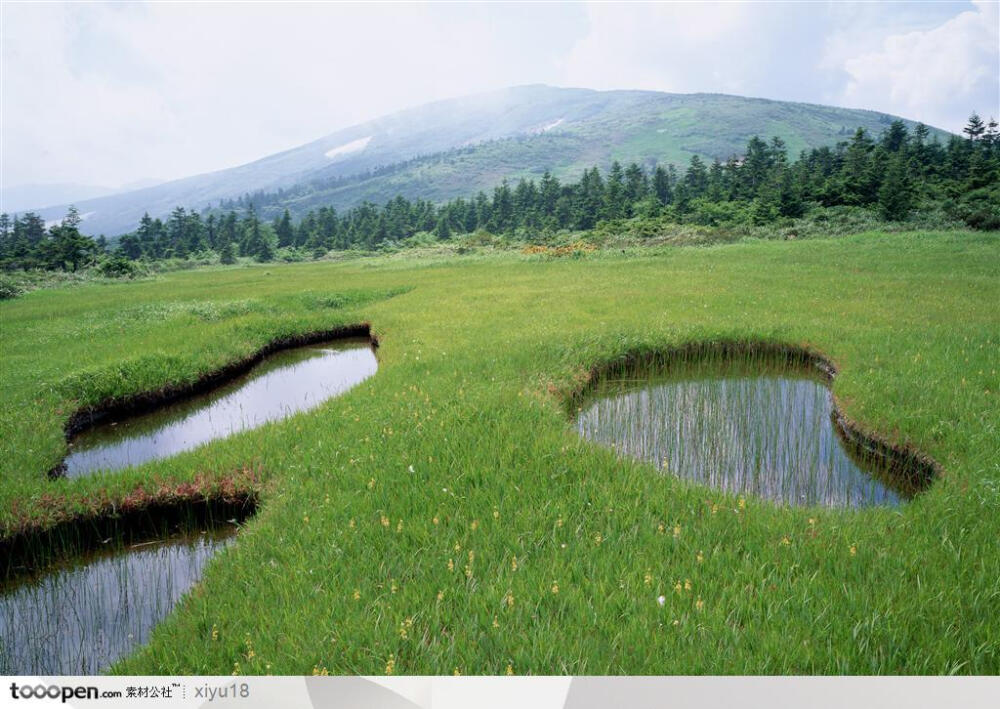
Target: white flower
410	468
662	600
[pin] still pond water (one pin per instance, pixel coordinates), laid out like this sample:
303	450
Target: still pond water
283	384
769	434
81	615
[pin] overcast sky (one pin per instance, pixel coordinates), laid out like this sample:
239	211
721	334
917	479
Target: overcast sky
107	94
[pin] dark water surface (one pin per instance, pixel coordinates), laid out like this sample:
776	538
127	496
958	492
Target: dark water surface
283	384
769	434
80	616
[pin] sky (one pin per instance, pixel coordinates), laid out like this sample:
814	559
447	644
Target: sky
111	94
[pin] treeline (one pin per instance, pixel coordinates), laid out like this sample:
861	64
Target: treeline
896	173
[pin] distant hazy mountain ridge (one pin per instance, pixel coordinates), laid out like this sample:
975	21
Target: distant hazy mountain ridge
458	146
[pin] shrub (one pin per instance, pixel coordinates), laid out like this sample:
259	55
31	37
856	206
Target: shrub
9	289
980	209
118	267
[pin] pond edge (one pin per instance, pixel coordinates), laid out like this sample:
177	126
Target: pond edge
141	517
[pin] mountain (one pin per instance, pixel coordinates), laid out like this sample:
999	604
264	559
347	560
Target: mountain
455	147
17	198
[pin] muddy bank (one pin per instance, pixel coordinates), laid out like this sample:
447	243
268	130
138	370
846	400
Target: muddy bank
910	468
90	416
32	549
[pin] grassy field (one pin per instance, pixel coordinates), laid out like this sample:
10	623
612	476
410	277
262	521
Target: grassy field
444	516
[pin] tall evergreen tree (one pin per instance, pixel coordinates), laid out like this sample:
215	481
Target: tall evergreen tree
895	196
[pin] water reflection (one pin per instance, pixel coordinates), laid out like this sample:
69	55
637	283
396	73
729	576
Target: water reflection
285	383
80	616
770	435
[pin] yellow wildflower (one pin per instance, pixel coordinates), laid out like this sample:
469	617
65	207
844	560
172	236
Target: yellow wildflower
451	565
700	558
390	665
513	564
854	550
435	520
496	622
384	520
741	503
510	670
474	525
677	531
598	539
648	578
699	604
357	594
215	632
687	584
555	587
440	595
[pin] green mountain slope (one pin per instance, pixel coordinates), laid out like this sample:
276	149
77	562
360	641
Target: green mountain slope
450	148
643	127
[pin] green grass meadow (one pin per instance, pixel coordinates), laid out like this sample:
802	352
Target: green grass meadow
444	515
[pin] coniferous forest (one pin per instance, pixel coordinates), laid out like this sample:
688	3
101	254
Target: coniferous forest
893	176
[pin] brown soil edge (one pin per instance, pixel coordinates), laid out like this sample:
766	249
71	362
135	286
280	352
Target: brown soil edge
908	466
139	518
144	402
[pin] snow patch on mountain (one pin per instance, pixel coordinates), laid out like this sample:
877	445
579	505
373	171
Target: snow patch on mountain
355	146
546	127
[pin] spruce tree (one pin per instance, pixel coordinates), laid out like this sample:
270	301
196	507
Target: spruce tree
227	254
975	127
895	196
283	228
442	231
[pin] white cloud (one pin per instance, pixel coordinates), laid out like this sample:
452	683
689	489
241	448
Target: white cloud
938	75
110	93
928	61
667	47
